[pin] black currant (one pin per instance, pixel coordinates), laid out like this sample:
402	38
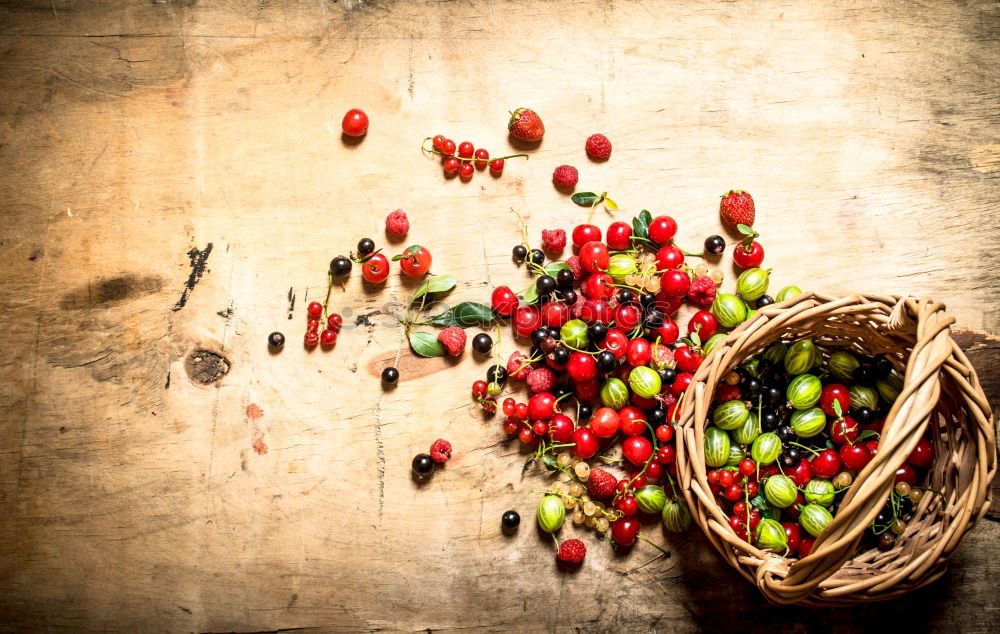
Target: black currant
423	465
538	334
545	284
560	391
750	387
568	296
537	257
864	416
554	333
585	411
774	395
883	366
765	300
482	343
340	266
390	375
625	296
276	339
715	245
597	332
510	520
519	252
656	416
496	374
654	319
864	374
647	300
785	433
366	246
668	376
548	344
560	355
769	421
606	361
564	278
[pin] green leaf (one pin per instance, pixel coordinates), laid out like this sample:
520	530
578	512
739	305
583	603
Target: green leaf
439	284
866	434
531	295
768	513
397	258
610	204
585	198
640	224
550	463
759	502
837	409
555	267
426	344
745	229
464	315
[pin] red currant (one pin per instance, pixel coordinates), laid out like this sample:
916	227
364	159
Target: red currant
748	467
732	492
509	405
727	478
314	309
540	428
479	389
355	122
662	229
437	141
312	338
752	489
465	171
585	443
451	165
448	147
510	426
527	436
312	325
583	234
665	433
375	269
666	454
328	337
654	470
713	476
496	166
619	236
482	156
521	411
334	322
465	149
748	257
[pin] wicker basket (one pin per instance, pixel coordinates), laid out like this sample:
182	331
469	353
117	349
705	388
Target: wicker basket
941	393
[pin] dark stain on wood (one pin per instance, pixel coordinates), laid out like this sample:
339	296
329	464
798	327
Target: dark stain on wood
111	291
205	367
199	260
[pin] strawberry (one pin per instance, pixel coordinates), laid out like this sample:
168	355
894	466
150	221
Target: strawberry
526	125
601	484
736	208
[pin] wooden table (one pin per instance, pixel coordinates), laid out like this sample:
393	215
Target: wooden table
174	175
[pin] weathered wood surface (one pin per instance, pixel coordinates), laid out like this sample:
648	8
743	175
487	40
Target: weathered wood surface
134	138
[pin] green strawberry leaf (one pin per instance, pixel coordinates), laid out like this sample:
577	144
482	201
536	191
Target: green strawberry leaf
744	229
439	284
555	267
531	295
759	502
464	315
768	513
585	198
640	225
426	345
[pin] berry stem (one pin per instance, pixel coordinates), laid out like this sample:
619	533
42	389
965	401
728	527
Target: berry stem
666	553
329	287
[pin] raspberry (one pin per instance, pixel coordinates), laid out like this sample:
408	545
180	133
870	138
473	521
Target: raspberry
702	291
601	485
517	366
573	262
565	177
440	450
541	380
727	393
576	310
553	240
396	223
571	551
453	340
598	146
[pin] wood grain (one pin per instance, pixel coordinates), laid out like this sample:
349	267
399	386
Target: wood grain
133	498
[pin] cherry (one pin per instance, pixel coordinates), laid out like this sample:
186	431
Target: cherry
314	309
654	470
596	311
662	229
465	149
687	359
586	391
598	285
594	257
639	352
561	428
415	261
555	314
328	337
923	454
627	316
843	431
581	367
355	122
704	323
448	147
585	443
681	383
503	301
627	505
748	257
826	464
375	269
619	236
668	332
582	234
666	454
794	535
835	392
727	393
637	450
669	257
855	457
465	171
624	531
526	320
616	342
496	166
482	155
541	406
801	474
451	165
674	283
632	420
664	433
806	546
605	422
906	473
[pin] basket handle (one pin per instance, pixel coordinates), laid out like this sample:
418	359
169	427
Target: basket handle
926	322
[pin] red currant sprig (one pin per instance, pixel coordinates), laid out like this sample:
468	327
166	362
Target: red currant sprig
467	157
